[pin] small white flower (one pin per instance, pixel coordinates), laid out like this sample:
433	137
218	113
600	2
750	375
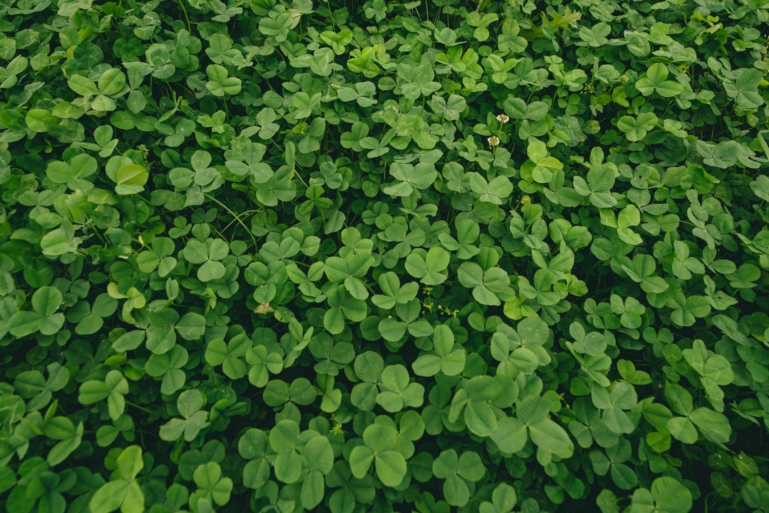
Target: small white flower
502	118
494	140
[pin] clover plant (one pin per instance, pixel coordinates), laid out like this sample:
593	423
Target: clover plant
503	256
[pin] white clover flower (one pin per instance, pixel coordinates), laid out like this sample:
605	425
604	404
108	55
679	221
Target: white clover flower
503	118
494	140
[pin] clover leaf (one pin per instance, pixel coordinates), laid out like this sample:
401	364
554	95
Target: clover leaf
457	472
635	129
210	254
396	256
220	83
394	293
253	447
656	81
189	404
390	465
228	354
447	357
212	487
123	492
395	390
503	500
417	81
428	266
170	367
485	284
666	496
43	317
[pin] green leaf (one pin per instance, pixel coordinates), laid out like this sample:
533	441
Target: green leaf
400	256
390	467
667	496
220	83
656	80
714	426
550	436
131	179
109	497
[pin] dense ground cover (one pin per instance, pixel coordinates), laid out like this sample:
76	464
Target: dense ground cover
280	255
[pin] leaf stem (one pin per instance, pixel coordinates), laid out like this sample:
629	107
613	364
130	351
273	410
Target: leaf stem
233	214
189	26
139	407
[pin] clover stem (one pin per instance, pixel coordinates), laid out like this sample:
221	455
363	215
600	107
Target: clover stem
220	234
189	26
225	207
139	407
148	202
247	212
98	233
331	14
298	176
